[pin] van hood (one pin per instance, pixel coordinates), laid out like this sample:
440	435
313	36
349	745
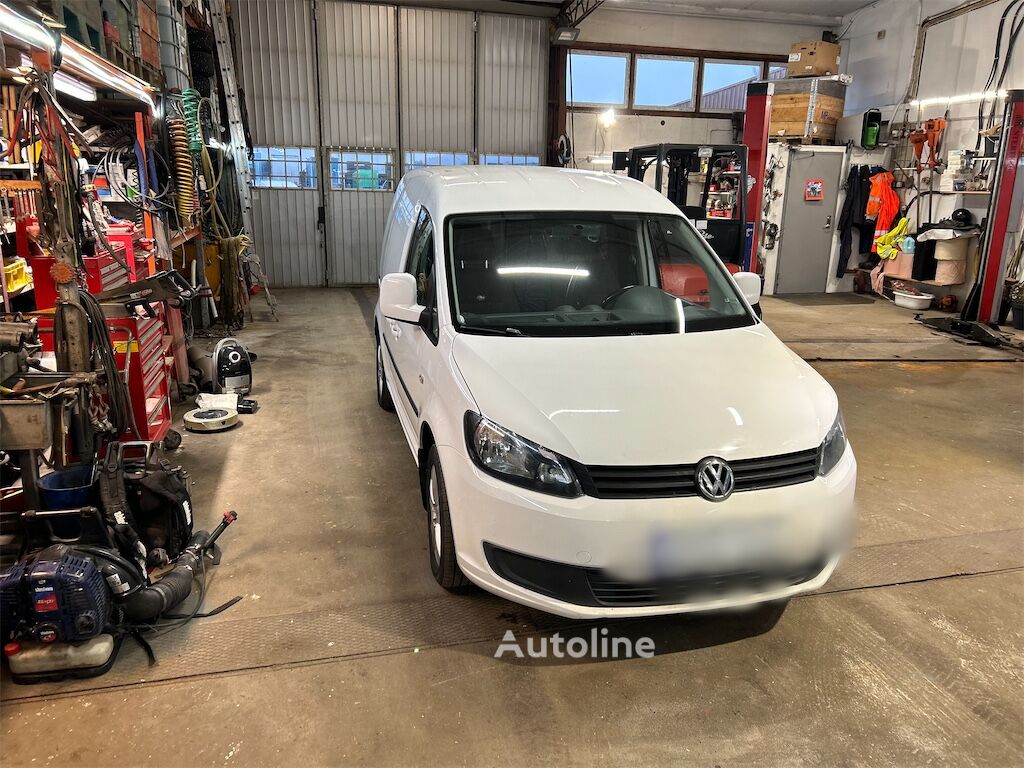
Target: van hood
655	399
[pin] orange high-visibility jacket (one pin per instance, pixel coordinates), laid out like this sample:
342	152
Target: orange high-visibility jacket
883	204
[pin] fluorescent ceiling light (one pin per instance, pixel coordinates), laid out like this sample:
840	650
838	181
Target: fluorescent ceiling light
556	271
962	98
74	88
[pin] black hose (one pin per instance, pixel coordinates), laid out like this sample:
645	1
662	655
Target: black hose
996	59
172	588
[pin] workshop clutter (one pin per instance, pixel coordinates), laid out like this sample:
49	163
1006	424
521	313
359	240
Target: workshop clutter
105	219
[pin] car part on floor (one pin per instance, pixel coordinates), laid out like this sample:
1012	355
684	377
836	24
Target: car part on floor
971	330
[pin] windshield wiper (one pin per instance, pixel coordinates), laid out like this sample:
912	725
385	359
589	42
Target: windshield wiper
492	331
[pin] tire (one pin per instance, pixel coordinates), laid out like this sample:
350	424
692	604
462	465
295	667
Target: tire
383	393
440	543
203	64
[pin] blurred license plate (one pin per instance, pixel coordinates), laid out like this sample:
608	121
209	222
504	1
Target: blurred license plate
714	547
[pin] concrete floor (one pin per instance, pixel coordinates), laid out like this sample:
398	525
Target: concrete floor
344	651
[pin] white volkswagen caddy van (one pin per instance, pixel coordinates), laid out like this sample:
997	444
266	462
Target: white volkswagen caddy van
603	426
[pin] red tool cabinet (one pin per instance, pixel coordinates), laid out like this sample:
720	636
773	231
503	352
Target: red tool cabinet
102	273
142	353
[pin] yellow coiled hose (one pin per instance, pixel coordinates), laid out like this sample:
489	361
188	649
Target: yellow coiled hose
184	171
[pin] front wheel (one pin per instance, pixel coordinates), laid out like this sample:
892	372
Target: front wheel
383	393
439	529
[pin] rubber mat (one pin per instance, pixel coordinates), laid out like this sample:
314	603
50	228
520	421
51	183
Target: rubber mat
226	645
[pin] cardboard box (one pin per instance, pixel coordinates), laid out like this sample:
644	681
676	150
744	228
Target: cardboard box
814	59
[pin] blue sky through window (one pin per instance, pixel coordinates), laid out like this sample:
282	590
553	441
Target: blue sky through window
664	83
668	82
718	75
597	79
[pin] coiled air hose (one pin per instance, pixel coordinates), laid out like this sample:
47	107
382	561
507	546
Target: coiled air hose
191	100
184	169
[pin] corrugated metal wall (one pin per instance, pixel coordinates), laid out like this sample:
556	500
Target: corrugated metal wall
374	61
358	75
359	99
287	238
437	79
275	50
512	89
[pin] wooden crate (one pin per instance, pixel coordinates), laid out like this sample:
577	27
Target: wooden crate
8	112
147	19
807	108
150	53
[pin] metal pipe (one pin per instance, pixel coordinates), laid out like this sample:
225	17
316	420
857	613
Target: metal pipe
172	44
76	58
922	34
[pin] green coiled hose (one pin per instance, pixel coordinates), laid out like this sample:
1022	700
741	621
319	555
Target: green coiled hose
191	100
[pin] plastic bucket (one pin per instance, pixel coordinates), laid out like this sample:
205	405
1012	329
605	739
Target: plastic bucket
67	488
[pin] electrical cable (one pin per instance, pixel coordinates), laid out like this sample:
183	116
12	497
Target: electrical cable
996	58
123	417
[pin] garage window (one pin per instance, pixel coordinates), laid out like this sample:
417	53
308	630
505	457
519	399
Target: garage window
509	160
724	87
283	167
597	78
665	82
427	159
368	170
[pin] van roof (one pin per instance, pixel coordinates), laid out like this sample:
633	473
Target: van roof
483	188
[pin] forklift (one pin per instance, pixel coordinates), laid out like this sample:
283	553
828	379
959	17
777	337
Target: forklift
706	182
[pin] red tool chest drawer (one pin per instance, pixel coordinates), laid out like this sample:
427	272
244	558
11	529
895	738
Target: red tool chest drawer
102	273
142	357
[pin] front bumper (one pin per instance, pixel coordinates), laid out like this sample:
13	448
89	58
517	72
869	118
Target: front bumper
591	558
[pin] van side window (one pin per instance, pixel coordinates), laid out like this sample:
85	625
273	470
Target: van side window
420	264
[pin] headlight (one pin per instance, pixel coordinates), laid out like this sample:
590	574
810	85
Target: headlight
517	460
833	447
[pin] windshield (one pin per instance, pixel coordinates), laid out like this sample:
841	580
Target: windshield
586	274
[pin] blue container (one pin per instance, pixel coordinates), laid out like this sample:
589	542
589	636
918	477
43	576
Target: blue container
67	488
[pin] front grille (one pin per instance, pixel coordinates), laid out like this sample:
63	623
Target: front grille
678	480
697	588
594	587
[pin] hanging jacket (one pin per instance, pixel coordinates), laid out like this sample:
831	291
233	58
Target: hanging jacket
858	187
883	204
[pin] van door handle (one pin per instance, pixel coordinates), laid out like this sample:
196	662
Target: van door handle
828	222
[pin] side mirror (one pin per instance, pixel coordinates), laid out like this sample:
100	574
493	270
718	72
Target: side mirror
398	298
749	284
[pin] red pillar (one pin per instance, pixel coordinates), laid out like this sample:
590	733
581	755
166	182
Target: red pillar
1004	211
755	137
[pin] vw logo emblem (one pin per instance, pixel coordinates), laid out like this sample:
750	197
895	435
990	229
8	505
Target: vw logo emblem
715	480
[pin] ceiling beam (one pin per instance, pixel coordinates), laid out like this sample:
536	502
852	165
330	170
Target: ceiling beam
573	12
